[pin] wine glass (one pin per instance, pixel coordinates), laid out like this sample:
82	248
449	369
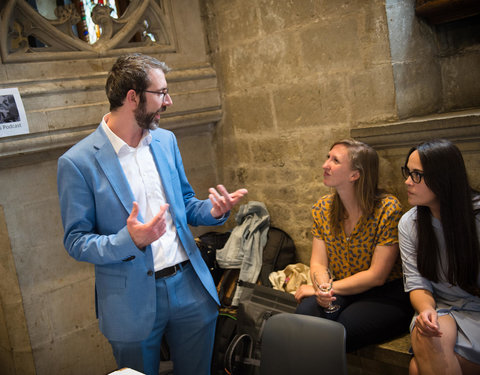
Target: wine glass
324	281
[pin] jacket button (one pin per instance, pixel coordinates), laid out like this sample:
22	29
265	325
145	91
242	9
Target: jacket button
150	273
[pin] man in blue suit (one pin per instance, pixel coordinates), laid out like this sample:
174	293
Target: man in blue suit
126	205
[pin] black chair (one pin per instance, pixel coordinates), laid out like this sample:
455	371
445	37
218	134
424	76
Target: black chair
299	344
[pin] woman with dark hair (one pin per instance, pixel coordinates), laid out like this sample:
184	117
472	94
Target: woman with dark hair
439	243
355	235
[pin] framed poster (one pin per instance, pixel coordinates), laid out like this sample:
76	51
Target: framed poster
13	120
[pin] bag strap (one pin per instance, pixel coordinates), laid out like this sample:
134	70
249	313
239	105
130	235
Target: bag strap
266	315
229	355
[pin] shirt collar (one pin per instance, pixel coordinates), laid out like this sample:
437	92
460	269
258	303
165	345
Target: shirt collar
118	143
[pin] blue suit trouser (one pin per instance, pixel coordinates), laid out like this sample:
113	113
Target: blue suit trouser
186	315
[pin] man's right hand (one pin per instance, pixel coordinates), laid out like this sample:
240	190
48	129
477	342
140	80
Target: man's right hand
144	234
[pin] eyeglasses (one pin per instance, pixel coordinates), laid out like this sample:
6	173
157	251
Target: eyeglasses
415	176
163	93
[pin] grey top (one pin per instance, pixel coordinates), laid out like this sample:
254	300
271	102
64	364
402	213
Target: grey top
452	300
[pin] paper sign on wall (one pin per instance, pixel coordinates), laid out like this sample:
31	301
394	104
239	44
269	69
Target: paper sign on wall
13	120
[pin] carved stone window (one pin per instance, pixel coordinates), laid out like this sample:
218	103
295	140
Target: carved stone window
143	25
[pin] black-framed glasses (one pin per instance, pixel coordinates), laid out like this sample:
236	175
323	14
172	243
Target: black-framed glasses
415	176
163	93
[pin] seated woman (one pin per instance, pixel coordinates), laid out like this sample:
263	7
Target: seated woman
439	244
355	235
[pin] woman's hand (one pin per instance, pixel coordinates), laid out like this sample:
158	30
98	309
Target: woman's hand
325	298
304	291
427	323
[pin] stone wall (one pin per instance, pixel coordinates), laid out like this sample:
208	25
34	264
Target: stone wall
284	79
434	65
47	313
297	75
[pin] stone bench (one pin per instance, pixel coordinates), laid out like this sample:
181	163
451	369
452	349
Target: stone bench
390	358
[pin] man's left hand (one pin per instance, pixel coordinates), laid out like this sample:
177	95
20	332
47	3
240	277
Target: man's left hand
223	201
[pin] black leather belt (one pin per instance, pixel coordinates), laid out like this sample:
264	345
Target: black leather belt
170	271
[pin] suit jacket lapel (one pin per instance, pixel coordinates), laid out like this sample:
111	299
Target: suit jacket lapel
108	161
160	157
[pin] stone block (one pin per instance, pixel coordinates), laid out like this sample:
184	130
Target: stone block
256	63
17	326
10	291
46	70
318	103
205	80
408	34
37	121
72	307
195	100
75	116
417	88
54	270
237	24
82	352
238	151
269	151
38	320
7	363
24	362
3	73
288	15
373	28
197	151
461	89
42	232
190	37
65	99
249	112
373	95
332	46
201	179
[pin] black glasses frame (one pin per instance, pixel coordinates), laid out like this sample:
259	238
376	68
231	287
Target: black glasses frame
163	92
415	176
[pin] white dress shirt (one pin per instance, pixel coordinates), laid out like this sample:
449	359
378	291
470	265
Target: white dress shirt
146	185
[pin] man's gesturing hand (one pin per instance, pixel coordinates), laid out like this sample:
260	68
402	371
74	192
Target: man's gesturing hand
144	234
223	201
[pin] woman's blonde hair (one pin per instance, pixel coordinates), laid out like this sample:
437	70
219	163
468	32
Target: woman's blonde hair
363	159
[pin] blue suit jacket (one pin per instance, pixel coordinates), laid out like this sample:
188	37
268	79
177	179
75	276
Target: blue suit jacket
96	200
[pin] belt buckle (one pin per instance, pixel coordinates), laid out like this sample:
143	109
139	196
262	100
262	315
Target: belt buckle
174	271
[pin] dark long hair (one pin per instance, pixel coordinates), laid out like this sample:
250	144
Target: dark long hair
446	176
363	159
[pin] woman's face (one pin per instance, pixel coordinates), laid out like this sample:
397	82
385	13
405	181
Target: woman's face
337	168
419	194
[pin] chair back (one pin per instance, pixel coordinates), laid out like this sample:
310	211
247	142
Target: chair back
294	344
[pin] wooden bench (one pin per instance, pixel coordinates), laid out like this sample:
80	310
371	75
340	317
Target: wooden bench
390	358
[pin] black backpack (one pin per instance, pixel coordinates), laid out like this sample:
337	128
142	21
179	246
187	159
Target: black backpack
239	349
257	304
209	243
225	332
278	253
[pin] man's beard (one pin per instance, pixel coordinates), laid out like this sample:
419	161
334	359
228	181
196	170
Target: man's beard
147	120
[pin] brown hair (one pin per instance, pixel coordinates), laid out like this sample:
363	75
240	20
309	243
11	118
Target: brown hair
363	159
130	72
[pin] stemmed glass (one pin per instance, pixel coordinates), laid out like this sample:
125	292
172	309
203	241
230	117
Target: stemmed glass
324	281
